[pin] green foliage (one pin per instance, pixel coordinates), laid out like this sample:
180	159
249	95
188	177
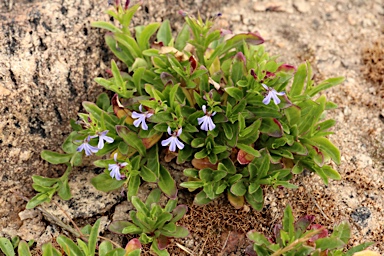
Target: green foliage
303	238
85	247
154	224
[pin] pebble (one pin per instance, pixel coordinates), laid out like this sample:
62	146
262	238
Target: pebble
301	6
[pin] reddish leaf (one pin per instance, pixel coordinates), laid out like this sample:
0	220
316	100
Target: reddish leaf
244	158
203	163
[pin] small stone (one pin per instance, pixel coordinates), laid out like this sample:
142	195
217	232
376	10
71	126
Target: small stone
29	214
301	6
361	216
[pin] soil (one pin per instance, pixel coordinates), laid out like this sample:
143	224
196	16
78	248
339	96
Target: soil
50	56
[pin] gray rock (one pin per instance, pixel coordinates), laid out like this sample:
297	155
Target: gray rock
361	216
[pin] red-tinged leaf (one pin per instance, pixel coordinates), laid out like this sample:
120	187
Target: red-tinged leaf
272	127
287	68
203	163
244	158
162	242
236	201
193	62
132	245
302	224
322	234
120	111
149	142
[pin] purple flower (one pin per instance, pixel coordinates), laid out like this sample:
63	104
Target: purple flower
103	137
86	147
272	93
141	118
173	141
206	121
115	168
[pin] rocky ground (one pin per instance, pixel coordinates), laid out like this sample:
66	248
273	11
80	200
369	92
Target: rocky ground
50	55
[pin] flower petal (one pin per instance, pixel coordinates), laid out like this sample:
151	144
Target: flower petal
166	142
204	108
179	131
265	87
169	130
267	99
275	98
172	146
179	144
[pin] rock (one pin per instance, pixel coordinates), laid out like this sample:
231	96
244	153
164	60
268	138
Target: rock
86	200
302	6
361	216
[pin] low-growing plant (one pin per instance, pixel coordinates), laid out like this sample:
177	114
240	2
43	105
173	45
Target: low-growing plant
88	246
221	103
207	97
154	224
303	237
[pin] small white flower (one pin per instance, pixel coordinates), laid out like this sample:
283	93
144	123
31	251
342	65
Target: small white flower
272	93
206	121
86	147
141	117
173	141
103	137
115	168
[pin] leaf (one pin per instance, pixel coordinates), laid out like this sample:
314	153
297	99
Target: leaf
105	25
93	237
165	33
237	40
49	250
359	248
166	183
257	238
145	35
105	247
239	188
288	221
254	200
248	149
298	80
271	127
23	249
131	139
133	186
147	174
6	247
325	145
182	38
64	191
104	182
329	243
55	158
326	84
69	247
342	231
234	92
36	200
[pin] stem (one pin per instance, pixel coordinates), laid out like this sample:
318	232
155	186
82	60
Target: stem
292	245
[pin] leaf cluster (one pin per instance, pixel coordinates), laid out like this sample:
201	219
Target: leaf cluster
154	224
303	238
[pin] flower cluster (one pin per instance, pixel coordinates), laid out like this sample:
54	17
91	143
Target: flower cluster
89	149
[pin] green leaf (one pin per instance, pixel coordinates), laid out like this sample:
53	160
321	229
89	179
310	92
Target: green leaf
55	158
104	182
105	247
342	231
358	248
131	139
325	145
93	237
49	250
325	85
239	188
69	247
145	35
271	127
105	25
103	101
288	221
165	33
147	174
6	247
167	184
43	181
298	80
329	243
257	238
254	200
36	200
330	172
133	186
234	92
64	191
248	149
99	114
192	184
182	38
